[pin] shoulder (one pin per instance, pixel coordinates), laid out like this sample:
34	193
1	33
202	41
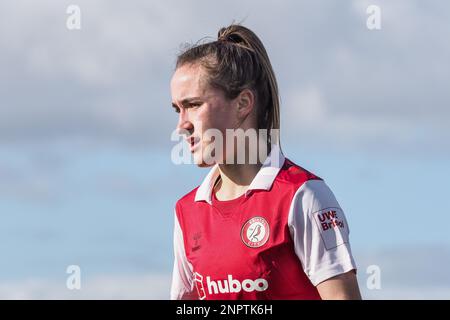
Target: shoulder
187	200
294	175
305	186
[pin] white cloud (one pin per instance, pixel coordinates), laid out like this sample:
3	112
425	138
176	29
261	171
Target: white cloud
412	272
309	115
306	107
34	186
114	42
406	272
408	293
373	90
151	286
108	82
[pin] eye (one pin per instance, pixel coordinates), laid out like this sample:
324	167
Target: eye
194	104
177	110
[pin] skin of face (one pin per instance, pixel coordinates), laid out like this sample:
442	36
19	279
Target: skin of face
201	107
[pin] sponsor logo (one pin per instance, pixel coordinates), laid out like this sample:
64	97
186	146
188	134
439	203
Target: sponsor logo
228	285
255	232
329	219
332	227
198	280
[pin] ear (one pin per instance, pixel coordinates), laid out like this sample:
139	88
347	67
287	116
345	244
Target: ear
245	103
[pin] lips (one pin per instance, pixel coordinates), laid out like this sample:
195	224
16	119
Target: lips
193	142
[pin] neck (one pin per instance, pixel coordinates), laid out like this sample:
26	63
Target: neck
235	179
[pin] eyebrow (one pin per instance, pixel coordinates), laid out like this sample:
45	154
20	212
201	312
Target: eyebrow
186	101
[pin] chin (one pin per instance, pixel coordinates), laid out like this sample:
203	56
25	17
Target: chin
201	162
204	165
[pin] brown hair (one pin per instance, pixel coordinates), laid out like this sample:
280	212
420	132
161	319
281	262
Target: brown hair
237	60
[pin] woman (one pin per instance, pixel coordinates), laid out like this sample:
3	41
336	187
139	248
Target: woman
264	229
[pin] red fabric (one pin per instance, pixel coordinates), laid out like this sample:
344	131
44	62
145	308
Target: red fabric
220	258
227	207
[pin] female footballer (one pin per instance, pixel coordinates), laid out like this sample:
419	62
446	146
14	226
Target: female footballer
259	226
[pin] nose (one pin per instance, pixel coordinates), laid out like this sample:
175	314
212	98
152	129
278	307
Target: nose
184	124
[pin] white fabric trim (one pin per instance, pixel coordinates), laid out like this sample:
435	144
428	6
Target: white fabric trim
182	277
204	191
262	181
322	247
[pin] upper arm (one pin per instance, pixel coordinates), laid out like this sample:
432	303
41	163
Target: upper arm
340	287
320	234
182	277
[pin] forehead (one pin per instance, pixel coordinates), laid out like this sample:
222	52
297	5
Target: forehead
188	80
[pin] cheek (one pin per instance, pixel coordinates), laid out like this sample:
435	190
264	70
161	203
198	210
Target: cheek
217	114
200	120
222	122
207	118
224	117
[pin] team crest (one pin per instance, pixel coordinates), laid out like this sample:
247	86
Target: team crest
255	232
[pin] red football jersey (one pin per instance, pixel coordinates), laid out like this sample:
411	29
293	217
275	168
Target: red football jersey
284	236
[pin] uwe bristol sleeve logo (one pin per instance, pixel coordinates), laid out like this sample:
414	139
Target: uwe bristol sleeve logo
255	232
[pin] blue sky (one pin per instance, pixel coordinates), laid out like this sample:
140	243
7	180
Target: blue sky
85	122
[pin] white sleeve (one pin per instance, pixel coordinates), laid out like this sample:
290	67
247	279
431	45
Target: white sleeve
320	232
182	278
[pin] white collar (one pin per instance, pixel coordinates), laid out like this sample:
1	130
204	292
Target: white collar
262	181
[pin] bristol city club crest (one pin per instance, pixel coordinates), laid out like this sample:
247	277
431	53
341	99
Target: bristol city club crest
255	232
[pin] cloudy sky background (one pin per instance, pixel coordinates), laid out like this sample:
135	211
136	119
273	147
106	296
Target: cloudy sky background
85	123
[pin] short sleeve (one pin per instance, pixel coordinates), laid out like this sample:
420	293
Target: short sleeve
182	277
320	232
